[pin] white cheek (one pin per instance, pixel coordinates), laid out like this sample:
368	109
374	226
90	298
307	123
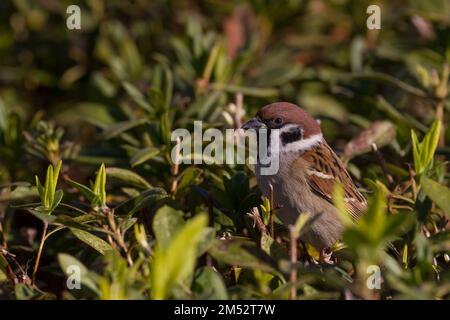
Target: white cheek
302	145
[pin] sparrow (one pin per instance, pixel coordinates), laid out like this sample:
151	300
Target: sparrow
308	170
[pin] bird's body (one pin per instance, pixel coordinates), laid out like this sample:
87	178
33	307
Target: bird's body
308	172
293	195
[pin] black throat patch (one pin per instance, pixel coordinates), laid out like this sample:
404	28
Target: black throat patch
292	135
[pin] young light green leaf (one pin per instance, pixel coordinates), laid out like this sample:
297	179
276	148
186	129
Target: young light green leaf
338	200
175	264
48	196
56	176
300	223
416	151
100	186
423	152
40	189
67	264
166	223
3	268
57	200
47	193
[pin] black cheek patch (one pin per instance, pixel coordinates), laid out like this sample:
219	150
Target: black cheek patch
292	135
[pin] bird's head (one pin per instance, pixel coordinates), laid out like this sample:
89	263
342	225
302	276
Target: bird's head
297	130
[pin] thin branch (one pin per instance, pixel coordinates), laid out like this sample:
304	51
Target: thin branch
257	221
293	255
383	164
38	258
239	112
441	93
272	213
176	167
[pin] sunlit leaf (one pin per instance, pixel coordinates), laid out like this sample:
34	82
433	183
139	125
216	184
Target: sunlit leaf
175	263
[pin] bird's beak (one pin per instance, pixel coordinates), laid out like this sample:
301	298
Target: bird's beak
253	123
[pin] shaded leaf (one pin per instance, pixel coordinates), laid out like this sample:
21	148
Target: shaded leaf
93	241
143	155
208	284
128	177
243	253
438	193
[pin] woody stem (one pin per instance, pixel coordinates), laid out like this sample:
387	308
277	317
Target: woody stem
38	258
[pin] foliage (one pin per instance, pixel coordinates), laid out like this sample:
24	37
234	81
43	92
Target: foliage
96	107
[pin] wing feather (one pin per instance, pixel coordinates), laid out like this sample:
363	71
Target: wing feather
324	170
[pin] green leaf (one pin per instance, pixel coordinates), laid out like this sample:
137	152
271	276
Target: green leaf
56	176
423	152
187	178
265	210
383	77
85	191
67	264
206	240
416	152
58	197
301	221
146	199
48	196
42	214
243	253
208	284
27	292
440	194
3	268
373	222
80	222
175	264
128	177
143	155
47	193
127	223
430	142
396	223
40	189
93	241
272	248
338	200
166	223
120	127
137	96
99	188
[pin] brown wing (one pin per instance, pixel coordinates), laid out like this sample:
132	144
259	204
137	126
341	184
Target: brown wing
325	169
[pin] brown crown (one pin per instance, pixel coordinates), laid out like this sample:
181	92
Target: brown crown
290	113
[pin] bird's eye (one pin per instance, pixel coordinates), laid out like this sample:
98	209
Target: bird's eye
278	121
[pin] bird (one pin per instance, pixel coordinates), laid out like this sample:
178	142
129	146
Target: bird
307	173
